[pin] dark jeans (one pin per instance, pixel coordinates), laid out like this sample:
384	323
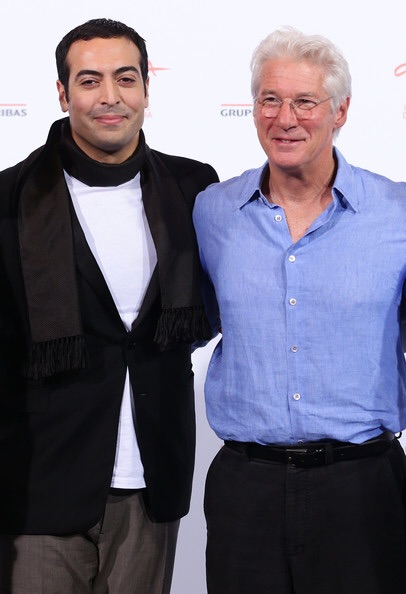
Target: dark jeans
278	529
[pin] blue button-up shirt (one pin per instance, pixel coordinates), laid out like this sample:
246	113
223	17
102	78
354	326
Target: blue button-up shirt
311	345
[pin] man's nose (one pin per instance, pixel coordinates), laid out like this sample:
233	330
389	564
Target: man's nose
109	93
286	115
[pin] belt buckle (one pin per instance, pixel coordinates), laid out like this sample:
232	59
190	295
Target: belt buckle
291	451
319	455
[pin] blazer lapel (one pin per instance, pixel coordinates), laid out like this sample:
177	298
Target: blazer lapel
89	269
149	298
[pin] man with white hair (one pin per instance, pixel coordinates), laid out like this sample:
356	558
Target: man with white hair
307	387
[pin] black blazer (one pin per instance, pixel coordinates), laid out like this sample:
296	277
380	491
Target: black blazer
58	436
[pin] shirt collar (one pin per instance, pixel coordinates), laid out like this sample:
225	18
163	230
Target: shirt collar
345	187
251	189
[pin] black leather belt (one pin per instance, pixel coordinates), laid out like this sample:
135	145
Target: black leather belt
308	455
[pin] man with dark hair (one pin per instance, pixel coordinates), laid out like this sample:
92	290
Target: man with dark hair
105	29
100	303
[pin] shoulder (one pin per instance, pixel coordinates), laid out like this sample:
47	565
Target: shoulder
39	157
10	177
378	194
13	171
190	175
367	183
378	180
37	154
230	193
182	167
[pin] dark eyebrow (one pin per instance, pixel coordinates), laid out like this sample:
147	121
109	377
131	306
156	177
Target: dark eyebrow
120	70
126	69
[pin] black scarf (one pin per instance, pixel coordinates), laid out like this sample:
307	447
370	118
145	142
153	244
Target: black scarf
47	252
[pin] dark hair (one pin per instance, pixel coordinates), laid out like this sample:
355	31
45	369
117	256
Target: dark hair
106	29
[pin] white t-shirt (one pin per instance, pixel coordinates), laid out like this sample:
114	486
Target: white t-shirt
116	228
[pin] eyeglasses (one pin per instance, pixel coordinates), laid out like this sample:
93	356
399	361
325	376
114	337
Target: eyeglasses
302	108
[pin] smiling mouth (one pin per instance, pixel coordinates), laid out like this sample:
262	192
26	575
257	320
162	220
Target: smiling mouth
110	119
284	142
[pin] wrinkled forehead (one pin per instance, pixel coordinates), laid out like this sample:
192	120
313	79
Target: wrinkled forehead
288	77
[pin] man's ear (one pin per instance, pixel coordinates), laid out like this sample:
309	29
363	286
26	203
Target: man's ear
341	114
63	100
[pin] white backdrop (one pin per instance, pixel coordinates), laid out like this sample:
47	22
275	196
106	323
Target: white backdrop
200	106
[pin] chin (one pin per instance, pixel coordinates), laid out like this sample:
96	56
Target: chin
285	163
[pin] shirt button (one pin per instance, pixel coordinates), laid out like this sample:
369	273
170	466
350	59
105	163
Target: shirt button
296	396
294	348
278	218
292	258
293	301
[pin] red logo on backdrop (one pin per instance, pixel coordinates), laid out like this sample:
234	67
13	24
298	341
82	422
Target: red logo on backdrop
400	70
154	69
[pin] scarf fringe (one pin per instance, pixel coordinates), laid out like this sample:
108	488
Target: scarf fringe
55	356
184	324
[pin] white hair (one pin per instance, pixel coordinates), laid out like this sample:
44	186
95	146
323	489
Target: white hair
292	44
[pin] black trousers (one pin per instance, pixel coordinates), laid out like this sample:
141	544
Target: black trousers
278	529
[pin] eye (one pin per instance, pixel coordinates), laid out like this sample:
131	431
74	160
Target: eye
88	82
271	101
127	81
304	103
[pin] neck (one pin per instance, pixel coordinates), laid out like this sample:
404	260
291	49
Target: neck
299	188
94	173
103	156
303	198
